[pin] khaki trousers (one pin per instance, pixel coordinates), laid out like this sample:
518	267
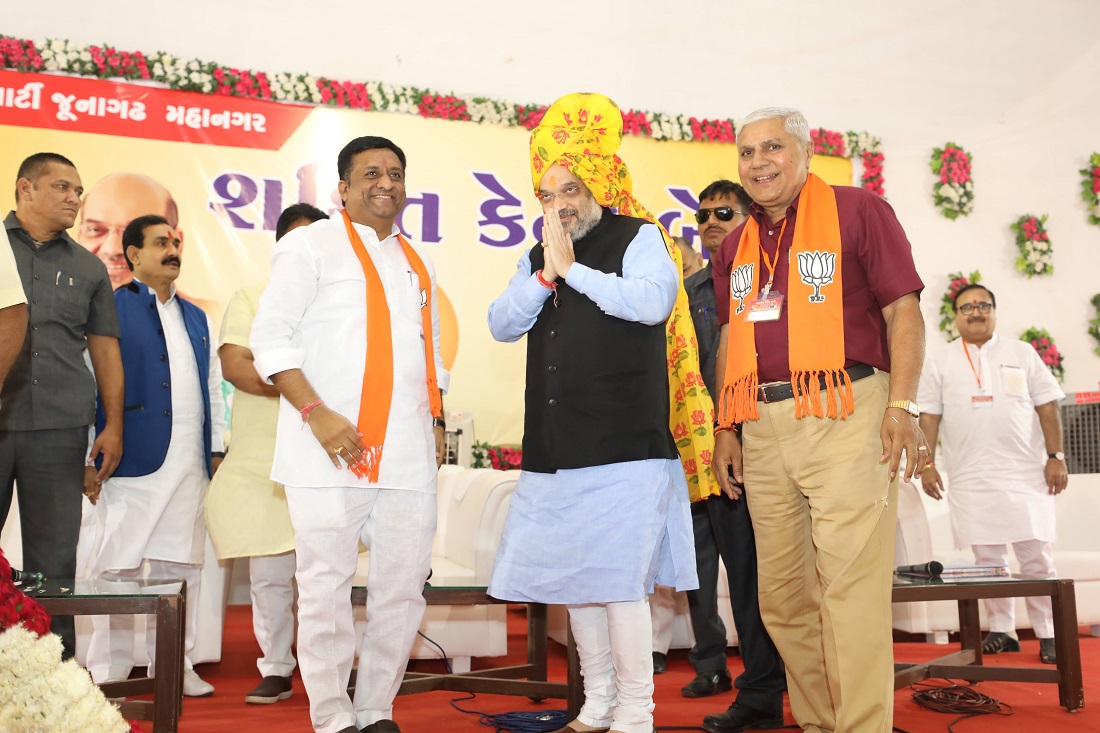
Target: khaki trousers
824	513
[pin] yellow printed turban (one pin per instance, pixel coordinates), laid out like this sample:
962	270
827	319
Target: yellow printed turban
582	132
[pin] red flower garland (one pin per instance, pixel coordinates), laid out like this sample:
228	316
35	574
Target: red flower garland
108	62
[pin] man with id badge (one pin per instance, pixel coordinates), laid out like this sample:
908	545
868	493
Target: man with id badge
997	404
818	368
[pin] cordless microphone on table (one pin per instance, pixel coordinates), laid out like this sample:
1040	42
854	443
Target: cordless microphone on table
932	567
24	576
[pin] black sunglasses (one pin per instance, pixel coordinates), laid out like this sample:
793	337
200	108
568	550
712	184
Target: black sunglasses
721	213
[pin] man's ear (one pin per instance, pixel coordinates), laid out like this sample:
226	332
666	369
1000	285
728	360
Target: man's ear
22	189
133	254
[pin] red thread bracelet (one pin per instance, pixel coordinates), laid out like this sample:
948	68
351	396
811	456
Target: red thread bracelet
548	285
308	408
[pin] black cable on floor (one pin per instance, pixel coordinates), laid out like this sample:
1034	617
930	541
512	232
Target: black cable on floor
526	721
958	699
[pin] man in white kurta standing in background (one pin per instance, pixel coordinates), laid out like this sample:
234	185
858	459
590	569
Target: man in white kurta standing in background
243	487
348	330
151	510
997	404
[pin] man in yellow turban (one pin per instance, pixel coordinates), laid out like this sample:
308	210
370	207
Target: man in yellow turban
601	511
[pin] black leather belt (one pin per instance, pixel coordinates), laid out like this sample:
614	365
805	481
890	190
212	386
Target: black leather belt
779	391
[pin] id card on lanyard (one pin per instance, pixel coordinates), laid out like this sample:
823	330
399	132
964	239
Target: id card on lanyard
983	400
769	306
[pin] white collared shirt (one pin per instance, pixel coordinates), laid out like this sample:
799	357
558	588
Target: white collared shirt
312	316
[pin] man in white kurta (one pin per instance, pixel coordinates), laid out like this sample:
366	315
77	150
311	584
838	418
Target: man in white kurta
151	514
309	339
997	405
244	484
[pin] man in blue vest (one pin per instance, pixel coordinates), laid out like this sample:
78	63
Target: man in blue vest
151	510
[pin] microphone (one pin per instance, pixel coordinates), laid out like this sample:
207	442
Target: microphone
26	576
932	567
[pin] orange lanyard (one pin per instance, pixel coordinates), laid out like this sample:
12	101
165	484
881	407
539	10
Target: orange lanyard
770	264
978	371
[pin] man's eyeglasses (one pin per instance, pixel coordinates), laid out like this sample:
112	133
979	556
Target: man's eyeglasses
967	308
569	193
721	213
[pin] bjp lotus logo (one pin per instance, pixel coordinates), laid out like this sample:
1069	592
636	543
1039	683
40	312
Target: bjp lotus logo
816	269
741	282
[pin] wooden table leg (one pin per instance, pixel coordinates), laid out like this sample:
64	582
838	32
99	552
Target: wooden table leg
970	627
168	683
537	628
1071	691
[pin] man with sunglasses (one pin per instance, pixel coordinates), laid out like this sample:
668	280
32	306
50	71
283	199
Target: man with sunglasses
1002	448
722	525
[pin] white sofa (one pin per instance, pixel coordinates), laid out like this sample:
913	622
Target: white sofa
924	534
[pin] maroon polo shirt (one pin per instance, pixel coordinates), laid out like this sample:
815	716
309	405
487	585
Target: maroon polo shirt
878	269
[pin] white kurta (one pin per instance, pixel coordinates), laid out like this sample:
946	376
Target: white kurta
312	316
160	516
993	456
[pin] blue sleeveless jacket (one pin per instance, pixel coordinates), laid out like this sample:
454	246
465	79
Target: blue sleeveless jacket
147	416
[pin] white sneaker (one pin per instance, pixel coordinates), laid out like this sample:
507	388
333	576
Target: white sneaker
195	686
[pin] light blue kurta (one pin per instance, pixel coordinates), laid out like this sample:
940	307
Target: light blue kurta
600	534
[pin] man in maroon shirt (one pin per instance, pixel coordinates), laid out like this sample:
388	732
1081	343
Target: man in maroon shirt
821	490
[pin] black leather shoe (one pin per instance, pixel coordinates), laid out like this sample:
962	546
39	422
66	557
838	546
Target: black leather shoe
660	663
382	726
1047	653
271	689
706	684
741	718
996	642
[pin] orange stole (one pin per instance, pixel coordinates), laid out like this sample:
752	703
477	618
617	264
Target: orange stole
815	319
377	394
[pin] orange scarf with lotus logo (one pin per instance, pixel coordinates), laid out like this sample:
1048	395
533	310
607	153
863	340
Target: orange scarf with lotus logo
815	317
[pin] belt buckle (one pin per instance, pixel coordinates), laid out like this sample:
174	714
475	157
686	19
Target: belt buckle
764	391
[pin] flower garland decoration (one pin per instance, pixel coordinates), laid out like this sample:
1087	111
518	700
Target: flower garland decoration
947	302
1094	323
1043	343
500	457
854	145
1090	188
953	193
1036	250
39	692
205	77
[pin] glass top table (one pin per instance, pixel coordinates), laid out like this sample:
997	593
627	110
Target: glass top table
164	598
966	664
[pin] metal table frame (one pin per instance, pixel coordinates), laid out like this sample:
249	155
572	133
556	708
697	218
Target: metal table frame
166	686
524	679
967	664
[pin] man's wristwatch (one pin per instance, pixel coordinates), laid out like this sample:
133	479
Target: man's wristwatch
908	406
438	422
1059	456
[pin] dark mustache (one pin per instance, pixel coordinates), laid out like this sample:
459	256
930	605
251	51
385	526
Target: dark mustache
169	259
566	212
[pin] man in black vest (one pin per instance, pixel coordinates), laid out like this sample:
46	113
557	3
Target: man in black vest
600	511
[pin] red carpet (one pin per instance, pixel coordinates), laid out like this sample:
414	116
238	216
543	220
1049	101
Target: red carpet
1036	706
